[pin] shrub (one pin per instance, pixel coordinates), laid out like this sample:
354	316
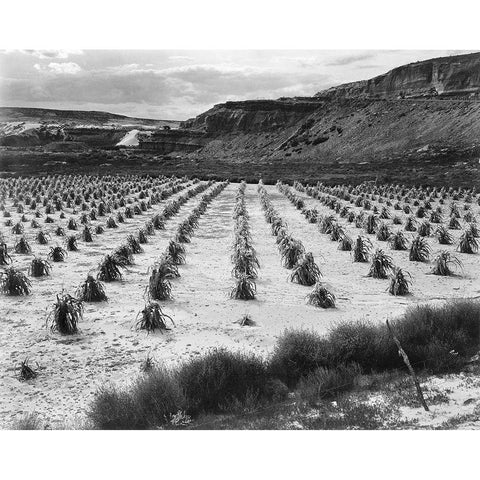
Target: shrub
134	244
159	286
39	268
444	236
321	297
468	243
362	248
245	288
371	224
382	264
221	380
153	318
410	225
440	337
5	258
14	282
425	229
454	224
18	229
87	234
345	244
26	371
65	315
419	250
124	255
22	246
91	290
325	383
176	251
57	254
442	263
111	223
71	243
99	230
292	250
72	224
383	232
109	269
60	232
399	283
142	236
398	241
306	271
297	353
42	237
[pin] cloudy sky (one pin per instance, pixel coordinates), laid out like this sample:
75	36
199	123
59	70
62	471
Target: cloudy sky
167	84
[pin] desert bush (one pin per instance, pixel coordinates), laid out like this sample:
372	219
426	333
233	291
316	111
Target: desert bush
410	225
221	380
57	254
26	371
419	250
152	318
134	244
109	269
306	271
60	232
14	282
398	241
371	224
321	297
425	229
292	251
454	224
159	286
326	383
383	232
5	258
65	315
381	265
18	229
111	223
99	229
71	243
244	289
91	290
400	282
87	234
467	243
124	255
142	236
362	248
442	263
22	246
345	244
444	236
176	251
297	353
39	267
72	224
42	237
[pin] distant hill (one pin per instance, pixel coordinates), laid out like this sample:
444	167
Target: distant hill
33	127
46	115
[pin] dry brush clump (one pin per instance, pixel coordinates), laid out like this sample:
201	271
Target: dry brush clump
400	282
445	263
152	318
91	290
321	297
14	282
66	312
39	267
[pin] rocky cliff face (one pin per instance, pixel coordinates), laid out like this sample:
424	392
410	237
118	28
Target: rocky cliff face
253	115
447	76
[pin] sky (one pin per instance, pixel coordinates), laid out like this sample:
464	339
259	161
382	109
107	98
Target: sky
177	85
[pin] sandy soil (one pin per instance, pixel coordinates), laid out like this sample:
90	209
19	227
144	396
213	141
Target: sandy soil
109	349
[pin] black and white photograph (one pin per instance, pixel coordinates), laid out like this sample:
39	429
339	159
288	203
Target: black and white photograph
202	236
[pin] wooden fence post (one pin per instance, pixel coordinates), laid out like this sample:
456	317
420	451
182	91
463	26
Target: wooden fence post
401	353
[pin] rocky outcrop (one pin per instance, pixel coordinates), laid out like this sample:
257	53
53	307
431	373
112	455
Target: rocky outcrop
457	76
253	115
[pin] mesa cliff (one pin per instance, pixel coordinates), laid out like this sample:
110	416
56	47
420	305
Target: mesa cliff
424	109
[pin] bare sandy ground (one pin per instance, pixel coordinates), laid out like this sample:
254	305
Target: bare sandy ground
109	349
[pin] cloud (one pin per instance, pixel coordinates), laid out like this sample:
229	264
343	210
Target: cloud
349	59
52	54
66	68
